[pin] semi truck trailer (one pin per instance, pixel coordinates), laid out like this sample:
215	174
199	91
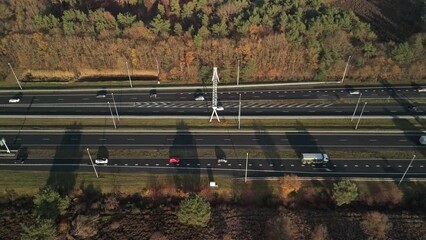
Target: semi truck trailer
312	158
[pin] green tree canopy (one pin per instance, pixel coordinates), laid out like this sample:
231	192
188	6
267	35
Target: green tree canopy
126	19
402	53
159	25
49	204
345	192
195	211
43	229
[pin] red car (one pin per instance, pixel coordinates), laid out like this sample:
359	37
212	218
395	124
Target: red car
174	160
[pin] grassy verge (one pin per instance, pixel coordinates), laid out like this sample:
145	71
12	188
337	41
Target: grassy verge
10	82
228	123
27	182
228	152
377	192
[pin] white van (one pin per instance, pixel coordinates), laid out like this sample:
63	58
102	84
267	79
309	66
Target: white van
422	140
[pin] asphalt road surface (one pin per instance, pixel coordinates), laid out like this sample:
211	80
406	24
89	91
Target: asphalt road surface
258	167
304	141
204	109
234	167
183	103
400	92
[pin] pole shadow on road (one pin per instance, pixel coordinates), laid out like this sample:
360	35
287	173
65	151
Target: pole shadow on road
184	147
63	178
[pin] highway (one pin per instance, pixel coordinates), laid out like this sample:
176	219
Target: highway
185	144
400	92
234	167
303	141
255	103
203	109
278	102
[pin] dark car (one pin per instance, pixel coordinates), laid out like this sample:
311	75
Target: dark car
413	108
153	93
101	94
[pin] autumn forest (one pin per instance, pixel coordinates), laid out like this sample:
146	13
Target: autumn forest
272	40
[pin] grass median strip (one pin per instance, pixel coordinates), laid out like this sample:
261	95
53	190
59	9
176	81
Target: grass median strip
218	152
228	123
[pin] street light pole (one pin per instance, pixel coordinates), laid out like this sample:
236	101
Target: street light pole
414	156
112	116
238	71
3	142
115	106
359	119
15	75
353	115
346	69
93	165
128	73
245	178
239	113
158	70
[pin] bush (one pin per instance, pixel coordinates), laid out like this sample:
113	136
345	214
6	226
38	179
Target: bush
158	236
320	233
345	192
376	225
289	184
85	226
195	211
111	202
402	53
42	229
49	204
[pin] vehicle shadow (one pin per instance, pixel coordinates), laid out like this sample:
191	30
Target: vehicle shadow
63	178
187	171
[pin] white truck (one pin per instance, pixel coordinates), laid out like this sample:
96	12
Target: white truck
422	140
314	158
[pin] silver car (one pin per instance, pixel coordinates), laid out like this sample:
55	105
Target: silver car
101	161
222	160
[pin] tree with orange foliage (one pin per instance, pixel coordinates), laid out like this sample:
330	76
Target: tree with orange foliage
288	184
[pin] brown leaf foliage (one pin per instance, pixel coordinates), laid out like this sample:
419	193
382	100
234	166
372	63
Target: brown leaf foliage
376	225
289	184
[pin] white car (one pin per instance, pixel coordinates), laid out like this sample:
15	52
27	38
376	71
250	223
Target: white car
14	100
222	160
199	98
101	161
354	92
220	108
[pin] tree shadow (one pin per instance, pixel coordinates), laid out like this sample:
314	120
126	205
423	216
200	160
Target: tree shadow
91	194
102	152
187	172
63	177
22	154
304	142
267	143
